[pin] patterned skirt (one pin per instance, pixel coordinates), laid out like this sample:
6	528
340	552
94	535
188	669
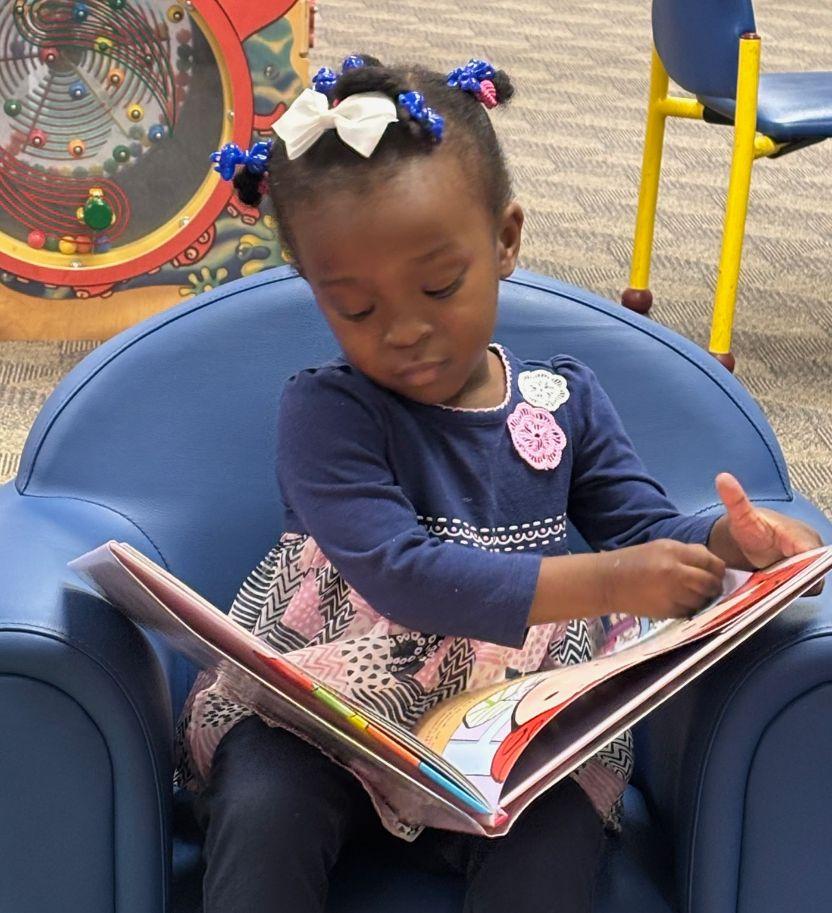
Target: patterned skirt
298	603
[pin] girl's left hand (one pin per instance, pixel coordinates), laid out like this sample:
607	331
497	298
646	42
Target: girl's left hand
763	536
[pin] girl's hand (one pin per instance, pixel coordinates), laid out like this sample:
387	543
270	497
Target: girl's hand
660	579
762	536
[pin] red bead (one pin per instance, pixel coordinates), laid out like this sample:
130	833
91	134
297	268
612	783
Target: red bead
48	54
37	138
36	239
83	244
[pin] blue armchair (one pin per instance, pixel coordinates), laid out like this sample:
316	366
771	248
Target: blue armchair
165	437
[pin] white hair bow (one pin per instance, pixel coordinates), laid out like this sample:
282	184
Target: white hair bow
360	120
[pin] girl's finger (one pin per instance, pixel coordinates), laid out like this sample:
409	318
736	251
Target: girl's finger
733	496
703	584
746	522
700	556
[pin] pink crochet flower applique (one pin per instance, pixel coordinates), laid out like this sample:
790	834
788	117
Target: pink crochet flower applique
536	436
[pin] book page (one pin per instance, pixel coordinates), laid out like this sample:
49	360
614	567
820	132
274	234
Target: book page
483	733
156	599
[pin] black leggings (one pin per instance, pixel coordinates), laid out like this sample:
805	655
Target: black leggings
277	813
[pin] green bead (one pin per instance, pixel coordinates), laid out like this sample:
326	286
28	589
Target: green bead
110	166
79	172
51	243
117	4
97	214
136	132
121	154
12	107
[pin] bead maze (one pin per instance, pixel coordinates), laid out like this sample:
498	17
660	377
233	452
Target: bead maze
110	110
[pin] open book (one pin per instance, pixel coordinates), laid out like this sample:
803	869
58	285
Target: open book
475	761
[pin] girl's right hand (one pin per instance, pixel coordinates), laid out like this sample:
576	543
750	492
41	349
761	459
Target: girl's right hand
660	579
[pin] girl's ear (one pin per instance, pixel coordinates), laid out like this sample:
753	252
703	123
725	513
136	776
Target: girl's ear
509	233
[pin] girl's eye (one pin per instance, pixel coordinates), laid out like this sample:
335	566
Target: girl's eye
448	290
360	315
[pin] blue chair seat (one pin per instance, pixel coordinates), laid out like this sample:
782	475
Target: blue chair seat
790	106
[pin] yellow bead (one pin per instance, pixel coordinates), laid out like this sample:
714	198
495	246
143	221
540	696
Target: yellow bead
67	245
176	13
135	113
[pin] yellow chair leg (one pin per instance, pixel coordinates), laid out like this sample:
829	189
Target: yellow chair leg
745	125
638	296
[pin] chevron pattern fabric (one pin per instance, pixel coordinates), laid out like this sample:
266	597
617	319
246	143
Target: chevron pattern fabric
573	135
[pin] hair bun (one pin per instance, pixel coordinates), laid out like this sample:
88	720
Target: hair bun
503	85
248	186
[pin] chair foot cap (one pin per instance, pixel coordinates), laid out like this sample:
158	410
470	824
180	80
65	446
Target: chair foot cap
639	300
726	359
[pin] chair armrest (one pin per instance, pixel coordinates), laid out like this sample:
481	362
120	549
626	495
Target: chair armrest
730	767
85	762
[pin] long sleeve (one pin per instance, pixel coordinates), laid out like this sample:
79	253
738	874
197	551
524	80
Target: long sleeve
340	489
613	501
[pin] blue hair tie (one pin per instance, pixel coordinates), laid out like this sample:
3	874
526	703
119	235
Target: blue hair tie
432	123
255	160
353	62
469	77
324	81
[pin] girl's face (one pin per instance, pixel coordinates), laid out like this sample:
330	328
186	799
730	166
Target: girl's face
407	274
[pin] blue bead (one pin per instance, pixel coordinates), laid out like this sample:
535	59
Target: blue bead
157	133
324	81
227	159
481	69
80	12
257	159
78	90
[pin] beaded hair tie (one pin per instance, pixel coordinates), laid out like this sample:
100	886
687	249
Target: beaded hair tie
256	159
476	77
432	123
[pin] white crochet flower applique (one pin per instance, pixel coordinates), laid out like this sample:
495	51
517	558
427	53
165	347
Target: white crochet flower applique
543	389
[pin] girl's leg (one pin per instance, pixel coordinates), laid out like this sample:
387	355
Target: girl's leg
547	861
276	814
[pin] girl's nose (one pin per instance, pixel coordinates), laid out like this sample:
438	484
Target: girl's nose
406	332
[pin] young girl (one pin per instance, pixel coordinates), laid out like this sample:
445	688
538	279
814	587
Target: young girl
427	477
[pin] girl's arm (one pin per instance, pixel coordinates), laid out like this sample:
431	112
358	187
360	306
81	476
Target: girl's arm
660	579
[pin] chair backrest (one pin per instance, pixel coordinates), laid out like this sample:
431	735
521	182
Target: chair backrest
698	42
172	423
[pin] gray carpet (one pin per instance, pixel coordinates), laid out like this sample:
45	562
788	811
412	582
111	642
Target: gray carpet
573	135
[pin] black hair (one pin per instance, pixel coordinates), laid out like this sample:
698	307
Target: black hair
331	165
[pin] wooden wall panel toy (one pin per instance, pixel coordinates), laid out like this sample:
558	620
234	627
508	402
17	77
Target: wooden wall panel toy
109	207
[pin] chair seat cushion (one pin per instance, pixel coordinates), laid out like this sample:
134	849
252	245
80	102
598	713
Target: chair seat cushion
635	873
790	106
